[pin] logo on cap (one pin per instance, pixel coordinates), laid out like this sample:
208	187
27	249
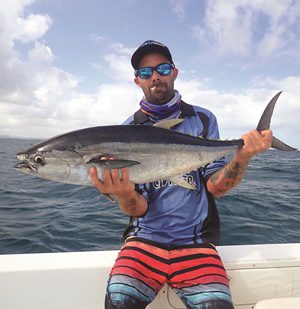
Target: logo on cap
153	43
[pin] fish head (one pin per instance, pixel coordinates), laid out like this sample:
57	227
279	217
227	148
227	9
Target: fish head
62	166
30	163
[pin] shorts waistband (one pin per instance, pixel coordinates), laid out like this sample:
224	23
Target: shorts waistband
167	246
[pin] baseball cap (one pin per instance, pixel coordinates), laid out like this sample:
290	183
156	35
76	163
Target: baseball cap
147	47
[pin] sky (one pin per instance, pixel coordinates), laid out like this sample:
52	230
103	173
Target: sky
65	64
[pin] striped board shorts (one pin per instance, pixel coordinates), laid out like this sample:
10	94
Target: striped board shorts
195	272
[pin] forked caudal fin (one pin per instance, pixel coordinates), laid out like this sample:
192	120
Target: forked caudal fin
265	121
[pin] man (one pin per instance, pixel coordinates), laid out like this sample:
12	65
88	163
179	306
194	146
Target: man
173	230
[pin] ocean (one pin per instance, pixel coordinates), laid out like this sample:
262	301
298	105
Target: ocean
38	215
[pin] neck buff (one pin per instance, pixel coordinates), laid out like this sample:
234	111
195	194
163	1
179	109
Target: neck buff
168	110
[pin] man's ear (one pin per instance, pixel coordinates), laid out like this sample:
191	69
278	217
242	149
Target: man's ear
175	73
136	80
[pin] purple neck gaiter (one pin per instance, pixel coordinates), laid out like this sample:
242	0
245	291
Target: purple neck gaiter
168	110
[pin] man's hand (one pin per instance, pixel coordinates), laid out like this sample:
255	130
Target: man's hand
130	202
112	183
255	142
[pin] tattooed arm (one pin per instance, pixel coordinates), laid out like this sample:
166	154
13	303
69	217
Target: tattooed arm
227	178
231	175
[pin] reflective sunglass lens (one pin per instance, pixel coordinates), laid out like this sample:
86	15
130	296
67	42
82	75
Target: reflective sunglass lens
164	69
145	73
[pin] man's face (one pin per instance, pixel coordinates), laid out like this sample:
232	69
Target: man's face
157	89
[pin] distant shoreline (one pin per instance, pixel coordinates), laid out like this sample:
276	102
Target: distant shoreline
18	137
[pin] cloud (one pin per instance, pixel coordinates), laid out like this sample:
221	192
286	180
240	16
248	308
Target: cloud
250	28
18	75
16	25
225	28
39	99
29	82
41	54
179	7
116	61
94	37
32	27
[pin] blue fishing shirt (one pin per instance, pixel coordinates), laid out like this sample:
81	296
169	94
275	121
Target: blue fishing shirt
177	215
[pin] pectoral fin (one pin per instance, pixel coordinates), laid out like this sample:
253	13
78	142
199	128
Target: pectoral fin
181	181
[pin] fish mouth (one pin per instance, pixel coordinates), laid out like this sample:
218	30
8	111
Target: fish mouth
25	167
22	164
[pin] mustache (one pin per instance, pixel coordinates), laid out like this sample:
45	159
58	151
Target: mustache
158	84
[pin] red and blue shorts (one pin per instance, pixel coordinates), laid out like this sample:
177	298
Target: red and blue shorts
195	272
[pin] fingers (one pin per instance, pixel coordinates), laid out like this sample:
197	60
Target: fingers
96	181
113	182
267	134
94	176
107	180
115	178
254	143
258	141
103	185
125	175
251	140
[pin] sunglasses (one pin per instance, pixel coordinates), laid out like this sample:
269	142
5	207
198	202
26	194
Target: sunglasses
162	69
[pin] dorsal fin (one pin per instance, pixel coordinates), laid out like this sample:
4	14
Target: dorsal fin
168	123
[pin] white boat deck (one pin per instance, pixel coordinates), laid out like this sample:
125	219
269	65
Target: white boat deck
78	280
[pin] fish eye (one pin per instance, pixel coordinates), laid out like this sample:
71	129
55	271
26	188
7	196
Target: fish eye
39	160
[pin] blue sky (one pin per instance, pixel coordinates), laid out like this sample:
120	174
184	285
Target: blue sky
66	64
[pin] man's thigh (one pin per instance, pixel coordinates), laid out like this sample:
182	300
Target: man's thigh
139	273
199	278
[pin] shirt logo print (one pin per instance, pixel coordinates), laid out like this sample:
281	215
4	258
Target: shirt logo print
158	184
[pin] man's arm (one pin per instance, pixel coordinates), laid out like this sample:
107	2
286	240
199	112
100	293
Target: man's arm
130	201
231	175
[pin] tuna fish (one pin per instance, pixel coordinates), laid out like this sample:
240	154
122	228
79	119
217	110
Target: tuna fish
149	152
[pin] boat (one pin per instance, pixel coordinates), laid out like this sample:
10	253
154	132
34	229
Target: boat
261	276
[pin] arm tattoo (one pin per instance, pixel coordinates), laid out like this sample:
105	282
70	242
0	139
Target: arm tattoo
228	177
234	170
134	206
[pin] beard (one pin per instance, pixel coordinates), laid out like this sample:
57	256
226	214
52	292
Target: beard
159	94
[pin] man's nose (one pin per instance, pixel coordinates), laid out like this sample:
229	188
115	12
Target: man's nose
155	75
